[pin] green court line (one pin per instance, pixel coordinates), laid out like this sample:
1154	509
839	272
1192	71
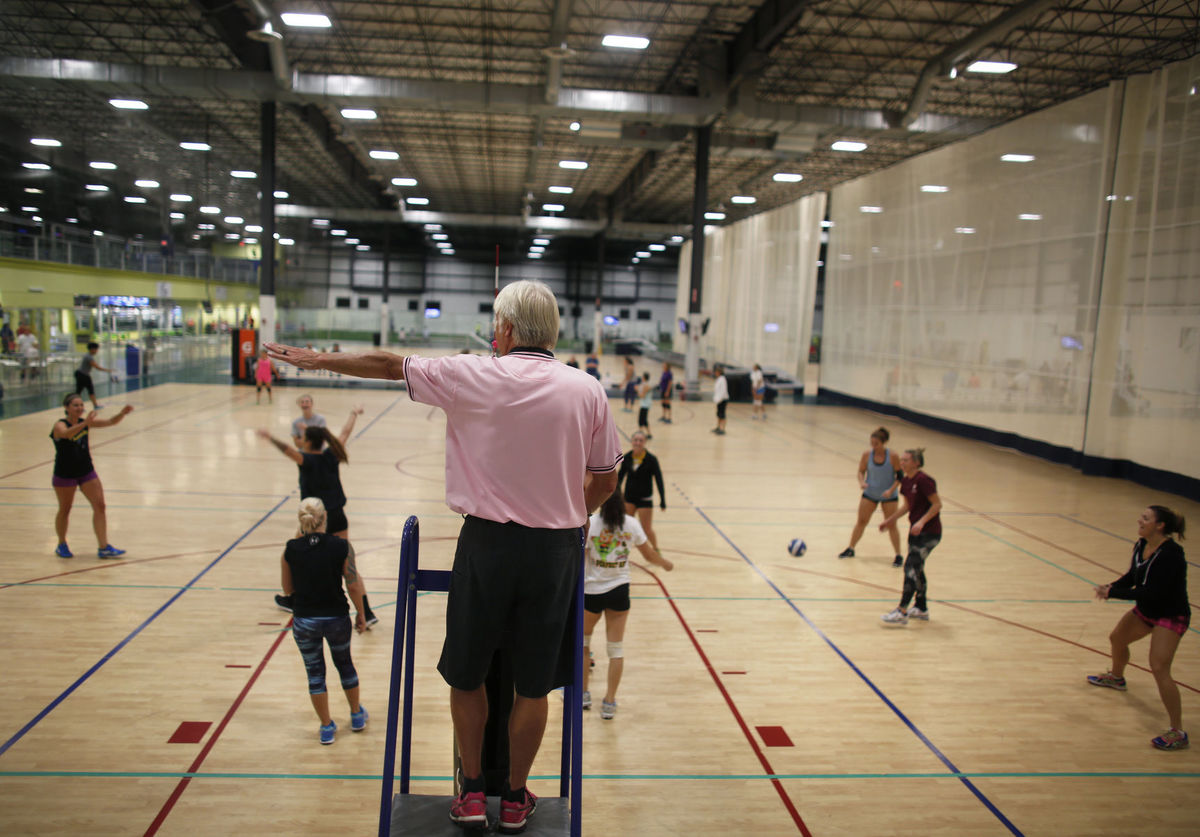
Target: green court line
628	777
1046	561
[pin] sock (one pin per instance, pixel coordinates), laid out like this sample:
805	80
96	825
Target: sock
511	795
473	785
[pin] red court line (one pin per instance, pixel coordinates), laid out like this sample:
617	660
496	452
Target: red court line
212	739
973	611
783	795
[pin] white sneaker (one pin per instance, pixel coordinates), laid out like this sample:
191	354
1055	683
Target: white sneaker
917	613
608	710
587	700
895	617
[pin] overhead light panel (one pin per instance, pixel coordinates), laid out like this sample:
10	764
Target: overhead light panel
287	242
993	67
535	255
625	41
578	165
30	209
576	125
359	113
543	242
562	190
46	142
643	254
553	207
658	248
338	233
849	145
36	166
714	216
101	165
362	248
195	146
930	187
537	249
320	222
449	251
1017	158
417	201
380	154
352	241
243	175
1029	216
206	226
301	20
281	195
432	227
233	236
177	216
743	199
677	239
250	240
179	197
440	237
787	177
870	210
146	184
965	230
210	210
404	181
128	104
134	199
234	219
254	228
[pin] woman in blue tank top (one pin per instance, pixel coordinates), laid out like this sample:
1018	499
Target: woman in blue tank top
879	478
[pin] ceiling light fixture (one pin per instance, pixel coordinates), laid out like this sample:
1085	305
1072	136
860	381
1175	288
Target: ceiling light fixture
404	181
992	67
744	199
281	195
1017	158
352	240
417	201
234	219
146	184
380	154
1029	216
241	174
254	228
677	239
562	190
929	187
287	242
575	126
870	210
439	236
714	216
432	227
181	198
578	165
101	165
359	113
36	166
965	230
362	248
46	142
658	248
849	145
301	20
128	104
177	216
337	232
625	41
134	199
29	190
210	210
553	207
195	146
787	177
643	254
320	222
543	242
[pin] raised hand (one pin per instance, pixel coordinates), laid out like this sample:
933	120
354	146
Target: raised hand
294	355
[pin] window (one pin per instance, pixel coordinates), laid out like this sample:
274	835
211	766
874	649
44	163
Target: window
414	305
623	313
485	308
643	314
342	302
363	302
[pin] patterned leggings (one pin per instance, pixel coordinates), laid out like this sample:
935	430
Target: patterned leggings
919	547
310	634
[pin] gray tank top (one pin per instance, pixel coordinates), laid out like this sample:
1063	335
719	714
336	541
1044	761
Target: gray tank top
880	477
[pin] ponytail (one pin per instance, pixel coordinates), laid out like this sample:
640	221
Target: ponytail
612	511
1172	521
918	455
319	437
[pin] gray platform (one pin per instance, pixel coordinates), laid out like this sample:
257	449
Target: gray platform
429	816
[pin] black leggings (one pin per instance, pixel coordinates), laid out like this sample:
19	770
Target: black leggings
919	547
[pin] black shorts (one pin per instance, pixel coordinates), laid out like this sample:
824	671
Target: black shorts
335	521
640	502
615	599
512	587
83	382
644	417
721	409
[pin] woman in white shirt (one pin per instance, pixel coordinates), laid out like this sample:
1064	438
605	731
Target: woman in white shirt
611	536
759	388
720	397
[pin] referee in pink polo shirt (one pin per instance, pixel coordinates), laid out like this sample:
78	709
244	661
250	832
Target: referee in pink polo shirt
531	448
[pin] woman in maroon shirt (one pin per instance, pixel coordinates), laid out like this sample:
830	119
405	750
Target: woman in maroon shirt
922	505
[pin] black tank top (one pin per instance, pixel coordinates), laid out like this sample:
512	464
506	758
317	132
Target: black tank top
72	458
316	562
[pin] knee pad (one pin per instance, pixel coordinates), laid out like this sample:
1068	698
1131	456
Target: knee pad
615	651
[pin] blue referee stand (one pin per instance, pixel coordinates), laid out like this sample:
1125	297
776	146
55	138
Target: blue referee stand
404	814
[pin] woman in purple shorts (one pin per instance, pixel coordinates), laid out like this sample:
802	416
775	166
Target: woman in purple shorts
73	469
1157	584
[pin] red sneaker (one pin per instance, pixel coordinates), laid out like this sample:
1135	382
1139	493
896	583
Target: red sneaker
514	815
470	810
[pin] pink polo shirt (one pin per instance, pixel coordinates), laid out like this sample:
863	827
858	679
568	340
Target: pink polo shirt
521	430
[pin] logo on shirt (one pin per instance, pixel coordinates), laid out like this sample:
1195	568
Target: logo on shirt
611	549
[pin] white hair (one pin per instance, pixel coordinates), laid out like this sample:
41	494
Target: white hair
312	516
531	308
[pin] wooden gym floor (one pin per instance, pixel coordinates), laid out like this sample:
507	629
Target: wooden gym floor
761	694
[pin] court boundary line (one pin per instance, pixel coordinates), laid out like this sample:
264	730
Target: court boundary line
870	684
378	417
7	745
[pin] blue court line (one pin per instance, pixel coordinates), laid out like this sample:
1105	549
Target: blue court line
895	709
378	417
629	777
4	748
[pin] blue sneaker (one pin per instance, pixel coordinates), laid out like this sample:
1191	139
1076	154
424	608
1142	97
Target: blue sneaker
358	720
327	732
63	552
109	551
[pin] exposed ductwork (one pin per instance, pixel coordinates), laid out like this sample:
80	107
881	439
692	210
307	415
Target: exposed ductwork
954	55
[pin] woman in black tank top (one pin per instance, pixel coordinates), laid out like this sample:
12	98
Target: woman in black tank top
73	469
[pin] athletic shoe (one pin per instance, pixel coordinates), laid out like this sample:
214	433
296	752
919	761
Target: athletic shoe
608	710
848	552
898	561
895	616
283	602
1107	679
470	810
587	700
62	551
514	815
1172	739
358	720
917	613
109	551
327	732
371	619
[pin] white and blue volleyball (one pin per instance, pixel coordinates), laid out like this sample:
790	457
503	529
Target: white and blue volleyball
797	547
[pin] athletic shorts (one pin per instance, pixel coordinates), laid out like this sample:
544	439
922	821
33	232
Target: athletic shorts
84	382
1175	624
640	502
615	599
891	499
630	391
512	587
721	409
335	520
63	482
760	392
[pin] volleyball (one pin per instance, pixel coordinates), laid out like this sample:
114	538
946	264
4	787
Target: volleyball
797	547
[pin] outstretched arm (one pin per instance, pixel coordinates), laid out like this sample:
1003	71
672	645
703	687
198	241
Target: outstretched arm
358	364
290	452
349	428
99	422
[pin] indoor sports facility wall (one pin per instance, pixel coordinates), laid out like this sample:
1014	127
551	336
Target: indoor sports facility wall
1056	299
759	274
